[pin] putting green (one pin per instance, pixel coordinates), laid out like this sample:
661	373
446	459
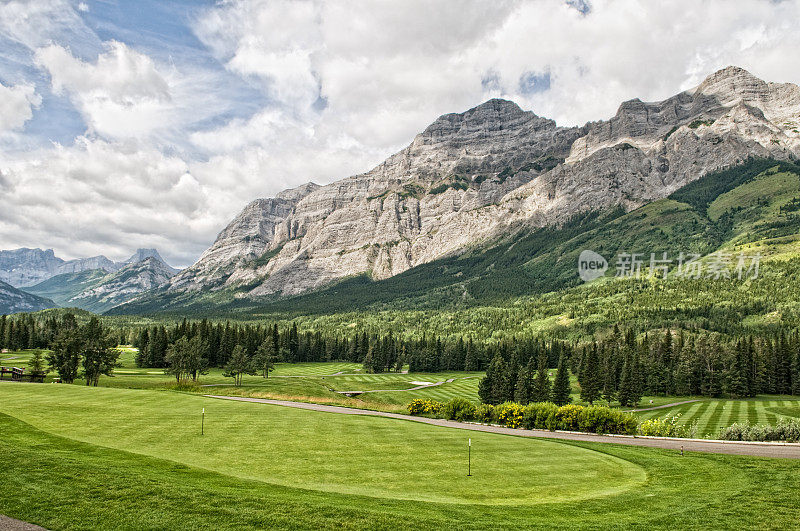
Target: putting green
367	456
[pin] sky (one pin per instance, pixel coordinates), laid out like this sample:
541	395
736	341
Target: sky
127	124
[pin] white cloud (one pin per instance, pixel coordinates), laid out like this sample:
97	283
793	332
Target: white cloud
83	7
102	197
35	23
343	85
16	106
121	94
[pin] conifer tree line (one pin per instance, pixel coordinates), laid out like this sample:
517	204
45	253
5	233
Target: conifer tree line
378	353
624	368
619	367
85	351
520	372
616	365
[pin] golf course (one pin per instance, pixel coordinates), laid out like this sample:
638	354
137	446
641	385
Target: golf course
142	457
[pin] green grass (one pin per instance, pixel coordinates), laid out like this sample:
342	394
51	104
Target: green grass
319	382
112	477
346	454
712	415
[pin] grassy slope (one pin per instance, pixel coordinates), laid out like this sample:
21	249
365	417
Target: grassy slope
61	288
79	485
312	382
711	415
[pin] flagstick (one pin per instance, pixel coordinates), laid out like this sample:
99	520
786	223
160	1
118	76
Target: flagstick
469	457
203	422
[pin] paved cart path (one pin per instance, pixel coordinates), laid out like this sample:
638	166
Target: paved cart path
784	450
12	524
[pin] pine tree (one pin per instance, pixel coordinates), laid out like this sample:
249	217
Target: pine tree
541	385
590	376
492	387
265	356
561	387
470	361
523	393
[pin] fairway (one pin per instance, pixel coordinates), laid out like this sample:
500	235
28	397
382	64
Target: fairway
351	455
712	415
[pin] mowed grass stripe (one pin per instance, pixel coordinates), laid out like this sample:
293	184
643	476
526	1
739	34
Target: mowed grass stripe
689	416
707	416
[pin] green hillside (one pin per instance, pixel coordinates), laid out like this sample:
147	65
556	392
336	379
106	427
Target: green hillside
61	288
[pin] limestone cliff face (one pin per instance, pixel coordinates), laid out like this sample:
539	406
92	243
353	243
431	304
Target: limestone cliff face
472	176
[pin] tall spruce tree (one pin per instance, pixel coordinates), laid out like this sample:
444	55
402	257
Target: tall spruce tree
561	388
492	387
523	393
541	385
590	377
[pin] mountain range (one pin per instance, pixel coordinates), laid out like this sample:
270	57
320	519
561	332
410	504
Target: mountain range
96	284
489	203
472	179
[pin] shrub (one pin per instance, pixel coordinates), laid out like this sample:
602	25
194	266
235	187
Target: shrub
568	417
598	419
537	415
784	430
459	409
485	413
666	427
510	414
418	406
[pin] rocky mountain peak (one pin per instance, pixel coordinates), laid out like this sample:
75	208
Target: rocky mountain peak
733	83
142	254
299	192
492	115
473	175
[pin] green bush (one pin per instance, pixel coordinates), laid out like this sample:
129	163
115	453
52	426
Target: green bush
486	413
568	417
510	414
459	409
418	406
546	415
666	427
787	430
597	419
539	416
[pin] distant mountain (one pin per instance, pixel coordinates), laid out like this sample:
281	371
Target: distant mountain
476	177
143	254
28	267
62	288
97	291
13	300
